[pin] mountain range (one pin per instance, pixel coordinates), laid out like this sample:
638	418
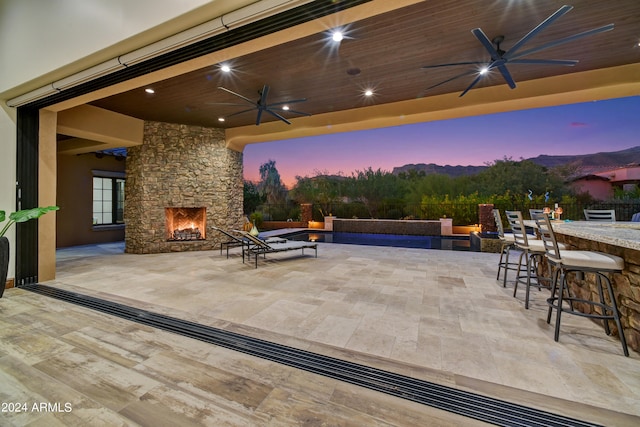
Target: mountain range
581	164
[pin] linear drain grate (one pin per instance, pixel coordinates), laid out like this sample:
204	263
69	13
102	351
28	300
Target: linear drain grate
486	409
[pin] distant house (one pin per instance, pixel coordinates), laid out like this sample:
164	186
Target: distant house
601	184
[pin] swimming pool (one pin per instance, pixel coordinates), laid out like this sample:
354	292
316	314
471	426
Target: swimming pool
403	241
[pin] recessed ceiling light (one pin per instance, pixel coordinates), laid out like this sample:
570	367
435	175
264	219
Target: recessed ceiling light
285	107
368	92
225	68
337	36
221	119
149	90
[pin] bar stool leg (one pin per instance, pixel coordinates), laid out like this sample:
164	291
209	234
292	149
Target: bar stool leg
554	289
616	317
500	264
531	269
530	265
515	288
607	329
564	285
506	266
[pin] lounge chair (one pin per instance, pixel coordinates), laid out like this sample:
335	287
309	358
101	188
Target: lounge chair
236	241
259	247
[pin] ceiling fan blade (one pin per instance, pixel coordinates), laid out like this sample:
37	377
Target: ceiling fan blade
568	62
240	112
236	94
557	14
273	113
602	29
230	104
454	63
482	37
466	73
263	95
473	83
302	113
507	76
293	101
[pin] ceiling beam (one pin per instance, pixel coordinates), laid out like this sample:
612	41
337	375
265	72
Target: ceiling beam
96	124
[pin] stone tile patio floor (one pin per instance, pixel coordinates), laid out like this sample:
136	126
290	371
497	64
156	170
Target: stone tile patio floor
432	314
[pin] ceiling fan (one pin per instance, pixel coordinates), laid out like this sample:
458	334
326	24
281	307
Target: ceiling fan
500	58
264	107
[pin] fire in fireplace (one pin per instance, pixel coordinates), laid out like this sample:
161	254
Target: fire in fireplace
186	223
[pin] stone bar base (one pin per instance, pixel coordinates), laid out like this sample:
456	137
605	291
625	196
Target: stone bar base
626	286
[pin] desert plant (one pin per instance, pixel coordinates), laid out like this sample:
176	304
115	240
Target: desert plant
23	215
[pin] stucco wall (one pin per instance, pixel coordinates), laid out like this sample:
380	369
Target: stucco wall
8	177
65	32
74	225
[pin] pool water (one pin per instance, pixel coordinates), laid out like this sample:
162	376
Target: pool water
395	240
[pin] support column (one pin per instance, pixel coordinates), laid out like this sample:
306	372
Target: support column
47	178
486	220
306	213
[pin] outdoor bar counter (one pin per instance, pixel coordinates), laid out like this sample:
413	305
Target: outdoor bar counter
621	239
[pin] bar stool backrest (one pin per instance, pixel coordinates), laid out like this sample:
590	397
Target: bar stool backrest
532	212
496	217
604	215
517	228
543	224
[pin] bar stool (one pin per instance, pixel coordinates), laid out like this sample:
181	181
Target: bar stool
507	243
533	251
603	215
579	262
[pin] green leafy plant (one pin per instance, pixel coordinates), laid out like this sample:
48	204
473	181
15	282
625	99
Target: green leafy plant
23	216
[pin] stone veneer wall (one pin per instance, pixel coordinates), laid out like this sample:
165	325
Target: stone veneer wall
388	226
180	166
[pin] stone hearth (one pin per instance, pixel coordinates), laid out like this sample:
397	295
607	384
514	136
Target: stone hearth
180	166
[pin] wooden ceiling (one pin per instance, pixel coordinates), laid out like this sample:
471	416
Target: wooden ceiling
387	53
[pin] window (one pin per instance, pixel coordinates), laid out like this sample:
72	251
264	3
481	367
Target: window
108	200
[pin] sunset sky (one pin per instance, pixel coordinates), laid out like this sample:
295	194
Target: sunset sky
574	129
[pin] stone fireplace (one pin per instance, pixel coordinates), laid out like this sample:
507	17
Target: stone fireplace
181	181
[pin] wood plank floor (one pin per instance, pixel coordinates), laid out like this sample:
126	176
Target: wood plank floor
81	367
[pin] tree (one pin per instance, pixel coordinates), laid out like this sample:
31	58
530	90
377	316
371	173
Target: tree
322	189
252	197
373	188
519	178
270	185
